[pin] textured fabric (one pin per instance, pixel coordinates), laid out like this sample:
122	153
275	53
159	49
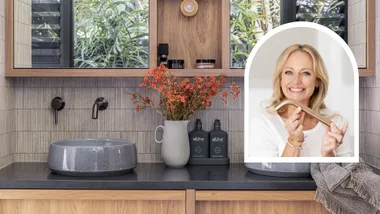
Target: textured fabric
347	187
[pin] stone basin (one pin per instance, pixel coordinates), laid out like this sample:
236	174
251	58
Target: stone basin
92	157
280	169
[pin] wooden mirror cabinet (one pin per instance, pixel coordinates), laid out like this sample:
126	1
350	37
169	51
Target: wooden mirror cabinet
203	36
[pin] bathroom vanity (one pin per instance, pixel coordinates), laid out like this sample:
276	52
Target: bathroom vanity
153	188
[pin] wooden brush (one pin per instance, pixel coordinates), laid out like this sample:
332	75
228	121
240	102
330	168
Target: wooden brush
306	109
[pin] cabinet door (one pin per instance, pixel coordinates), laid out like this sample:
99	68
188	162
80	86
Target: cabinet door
91	202
268	202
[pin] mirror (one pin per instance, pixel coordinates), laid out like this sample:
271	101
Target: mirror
81	34
250	20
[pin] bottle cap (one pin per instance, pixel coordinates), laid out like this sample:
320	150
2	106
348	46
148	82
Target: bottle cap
217	123
198	124
163	49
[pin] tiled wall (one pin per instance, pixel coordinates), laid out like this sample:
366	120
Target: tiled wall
35	127
370	107
357	30
23	33
7	136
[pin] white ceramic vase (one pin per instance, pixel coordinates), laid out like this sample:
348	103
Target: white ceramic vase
175	148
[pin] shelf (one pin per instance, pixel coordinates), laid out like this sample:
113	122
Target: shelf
208	72
118	72
196	37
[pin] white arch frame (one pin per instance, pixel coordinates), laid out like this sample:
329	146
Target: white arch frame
247	114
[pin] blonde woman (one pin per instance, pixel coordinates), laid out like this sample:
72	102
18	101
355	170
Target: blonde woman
300	74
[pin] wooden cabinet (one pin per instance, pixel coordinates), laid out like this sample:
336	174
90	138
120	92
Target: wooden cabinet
91	202
268	202
157	201
206	35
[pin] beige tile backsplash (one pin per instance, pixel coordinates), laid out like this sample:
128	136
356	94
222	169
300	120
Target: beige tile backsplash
370	108
357	30
7	123
35	127
23	33
27	127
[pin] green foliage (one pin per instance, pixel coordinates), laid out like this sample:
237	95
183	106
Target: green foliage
250	18
324	12
111	33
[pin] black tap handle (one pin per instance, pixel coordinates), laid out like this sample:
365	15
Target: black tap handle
96	105
55	116
57	104
100	104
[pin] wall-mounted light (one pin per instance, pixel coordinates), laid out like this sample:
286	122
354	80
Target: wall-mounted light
189	7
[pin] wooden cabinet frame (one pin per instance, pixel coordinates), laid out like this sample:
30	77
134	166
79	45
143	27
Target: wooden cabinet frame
32	201
188	201
287	202
153	43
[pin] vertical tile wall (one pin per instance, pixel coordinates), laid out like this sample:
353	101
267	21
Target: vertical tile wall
7	125
23	33
34	117
34	128
370	107
357	30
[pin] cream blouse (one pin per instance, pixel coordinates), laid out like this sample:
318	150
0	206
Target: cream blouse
269	138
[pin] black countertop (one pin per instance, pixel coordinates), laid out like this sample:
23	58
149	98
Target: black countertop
151	176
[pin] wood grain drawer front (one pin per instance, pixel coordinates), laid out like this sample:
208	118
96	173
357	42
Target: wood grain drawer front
255	195
259	207
284	202
91	202
90	207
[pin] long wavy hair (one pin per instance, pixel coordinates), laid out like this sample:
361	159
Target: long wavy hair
317	99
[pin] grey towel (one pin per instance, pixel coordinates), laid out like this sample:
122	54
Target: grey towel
347	187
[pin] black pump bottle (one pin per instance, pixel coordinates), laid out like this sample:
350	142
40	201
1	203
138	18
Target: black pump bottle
218	141
199	141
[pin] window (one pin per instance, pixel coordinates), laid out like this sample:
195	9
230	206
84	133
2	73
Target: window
90	33
251	19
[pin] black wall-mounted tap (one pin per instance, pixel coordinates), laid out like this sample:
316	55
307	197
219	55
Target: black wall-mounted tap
100	104
57	104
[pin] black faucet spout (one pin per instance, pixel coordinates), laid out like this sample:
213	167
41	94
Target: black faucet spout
100	104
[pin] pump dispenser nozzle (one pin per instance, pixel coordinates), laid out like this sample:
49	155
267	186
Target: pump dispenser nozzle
217	124
198	124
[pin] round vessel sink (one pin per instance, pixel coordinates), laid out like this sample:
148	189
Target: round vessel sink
92	157
280	169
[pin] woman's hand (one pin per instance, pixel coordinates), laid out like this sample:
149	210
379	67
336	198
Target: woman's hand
332	139
294	127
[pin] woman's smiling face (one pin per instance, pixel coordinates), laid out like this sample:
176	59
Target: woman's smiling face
298	80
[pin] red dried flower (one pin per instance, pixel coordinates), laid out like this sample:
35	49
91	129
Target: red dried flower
225	94
180	99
